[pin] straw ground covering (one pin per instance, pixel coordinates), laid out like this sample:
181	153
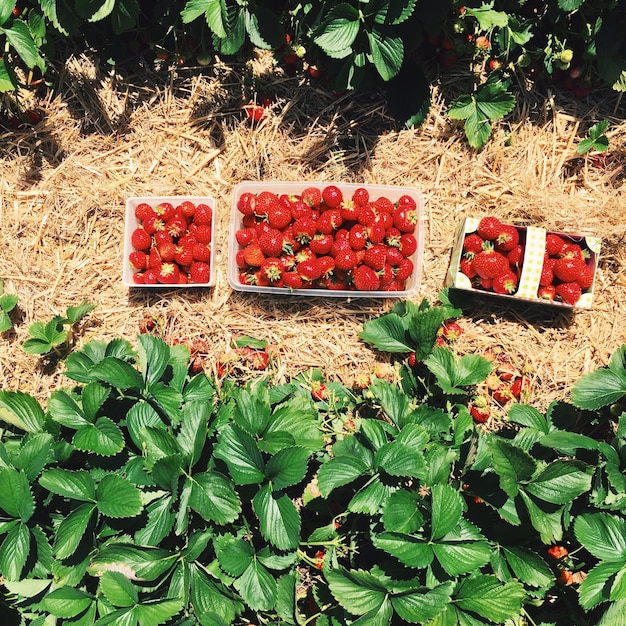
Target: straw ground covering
183	131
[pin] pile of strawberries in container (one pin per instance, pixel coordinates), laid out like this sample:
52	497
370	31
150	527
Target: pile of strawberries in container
323	239
172	244
493	258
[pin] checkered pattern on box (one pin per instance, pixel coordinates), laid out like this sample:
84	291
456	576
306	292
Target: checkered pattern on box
533	262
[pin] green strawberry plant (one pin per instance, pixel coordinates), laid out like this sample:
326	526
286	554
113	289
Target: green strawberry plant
8	302
596	140
143	493
55	336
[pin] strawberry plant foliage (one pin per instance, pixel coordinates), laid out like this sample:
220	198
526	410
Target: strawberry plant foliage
146	494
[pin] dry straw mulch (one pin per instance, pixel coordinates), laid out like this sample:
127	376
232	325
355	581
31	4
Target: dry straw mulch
106	137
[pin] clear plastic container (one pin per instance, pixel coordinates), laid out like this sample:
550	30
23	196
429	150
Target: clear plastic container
393	193
131	223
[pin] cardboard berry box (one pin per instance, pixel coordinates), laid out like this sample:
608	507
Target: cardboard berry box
133	222
533	241
336	282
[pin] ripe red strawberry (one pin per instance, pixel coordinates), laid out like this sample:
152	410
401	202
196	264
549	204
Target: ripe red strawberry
299	209
244	236
360	196
505	284
346	259
176	227
309	270
357	237
466	267
365	278
557	552
154	259
586	278
547	272
203	214
151	277
255	112
394	256
571	249
405	218
167	251
507	239
138	278
489	228
168	273
271	242
318	390
332	196
554	244
186	209
201	252
138	260
203	233
312	196
489	263
304	230
143	211
162	236
329	221
272	269
365	215
140	239
375	257
293	280
200	273
385	205
246	203
569	293
321	244
183	256
349	210
408	244
327	265
546	292
405	269
407	201
165	210
375	232
480	413
516	256
153	223
502	394
279	216
473	243
568	268
253	255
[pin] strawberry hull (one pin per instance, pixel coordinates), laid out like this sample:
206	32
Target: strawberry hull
132	223
307	283
534	241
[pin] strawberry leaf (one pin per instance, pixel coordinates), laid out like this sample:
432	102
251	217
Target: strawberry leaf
387	52
408	549
77	485
401	513
16	498
486	596
454	373
603	535
339	471
103	438
241	454
279	519
337	33
117	497
160	522
596	588
118	590
71	530
418	605
512	465
287	467
14	551
214	498
561	482
67	602
21	410
359	592
257	587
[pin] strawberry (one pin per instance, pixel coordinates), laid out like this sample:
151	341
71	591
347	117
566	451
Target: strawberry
375	257
244	236
489	228
271	242
407	201
300	209
505	284
304	230
138	260
568	268
365	278
394	256
360	196
311	196
176	227
321	244
516	256
408	244
346	259
255	112
183	255
293	280
253	255
569	293
507	239
167	251
309	270
272	269
450	331
200	272
186	209
203	214
200	252
502	394
473	243
165	210
384	205
140	239
246	203
365	215
154	259
350	211
151	277
357	237
557	552
327	265
279	216
332	196
318	391
489	263
375	232
554	244
153	223
481	413
571	249
143	211
405	218
168	273
329	221
161	237
203	233
586	277
404	270
466	267
547	292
